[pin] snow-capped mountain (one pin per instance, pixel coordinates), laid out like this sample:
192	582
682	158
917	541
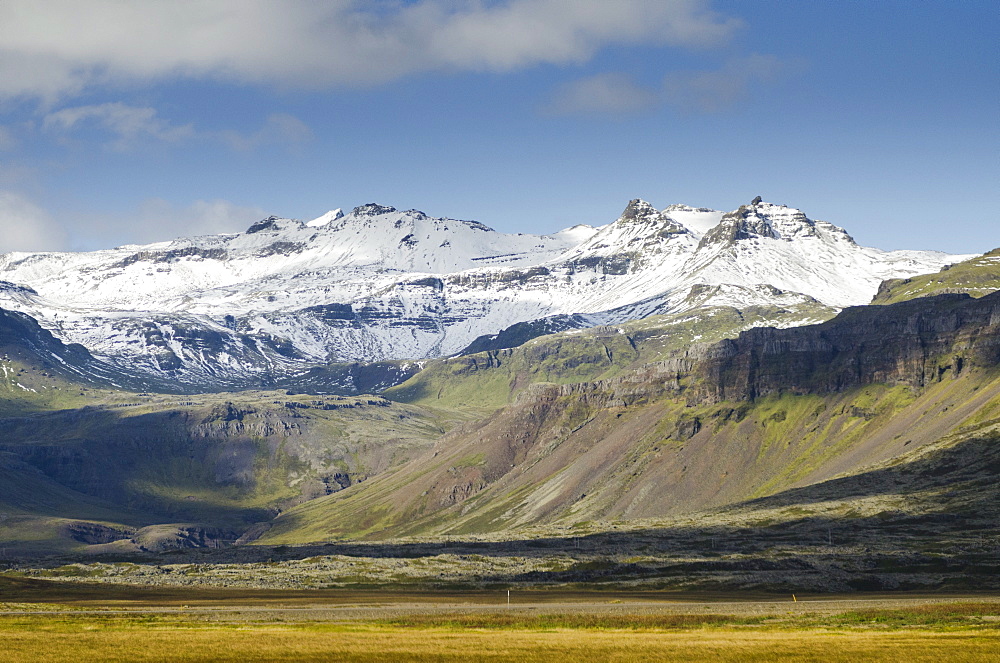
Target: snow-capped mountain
380	284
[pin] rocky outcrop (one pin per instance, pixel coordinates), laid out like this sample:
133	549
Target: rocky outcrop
161	538
911	343
96	533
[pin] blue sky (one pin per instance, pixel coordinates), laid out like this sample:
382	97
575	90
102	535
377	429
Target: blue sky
126	122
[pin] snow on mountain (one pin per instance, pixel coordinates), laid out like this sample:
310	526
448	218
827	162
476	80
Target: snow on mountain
379	283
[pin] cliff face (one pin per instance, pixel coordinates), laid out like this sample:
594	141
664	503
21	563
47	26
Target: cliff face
912	343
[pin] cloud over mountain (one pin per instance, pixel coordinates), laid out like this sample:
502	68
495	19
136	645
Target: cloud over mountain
63	47
24	226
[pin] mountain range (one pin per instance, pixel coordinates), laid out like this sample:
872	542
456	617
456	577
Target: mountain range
679	374
317	305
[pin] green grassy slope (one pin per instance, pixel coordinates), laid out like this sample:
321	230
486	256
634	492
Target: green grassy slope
554	462
225	460
738	420
26	388
978	276
487	380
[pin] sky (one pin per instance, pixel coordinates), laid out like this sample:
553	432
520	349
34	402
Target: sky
127	121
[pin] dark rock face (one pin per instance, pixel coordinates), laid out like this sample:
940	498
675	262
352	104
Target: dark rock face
176	254
912	343
281	248
264	224
372	209
475	225
7	286
332	311
94	533
741	224
638	210
522	332
159	538
25	338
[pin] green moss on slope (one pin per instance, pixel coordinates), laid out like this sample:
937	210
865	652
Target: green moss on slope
488	380
978	276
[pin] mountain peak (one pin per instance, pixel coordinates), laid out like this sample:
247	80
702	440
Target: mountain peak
416	214
326	219
393	284
372	209
264	224
638	210
771	221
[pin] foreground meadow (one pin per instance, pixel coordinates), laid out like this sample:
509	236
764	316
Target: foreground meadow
85	641
72	621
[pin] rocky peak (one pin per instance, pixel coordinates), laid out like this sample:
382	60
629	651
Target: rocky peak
372	209
263	224
744	223
639	213
786	222
762	220
639	210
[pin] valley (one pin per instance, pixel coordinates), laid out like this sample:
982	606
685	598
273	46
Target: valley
743	436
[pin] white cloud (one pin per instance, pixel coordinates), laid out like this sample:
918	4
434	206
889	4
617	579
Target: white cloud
278	129
127	123
711	91
130	124
697	91
604	94
53	49
158	220
24	226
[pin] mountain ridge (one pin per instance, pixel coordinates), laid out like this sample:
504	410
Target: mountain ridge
716	425
265	306
665	432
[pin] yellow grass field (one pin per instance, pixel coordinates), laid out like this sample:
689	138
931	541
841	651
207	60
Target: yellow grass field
45	621
368	643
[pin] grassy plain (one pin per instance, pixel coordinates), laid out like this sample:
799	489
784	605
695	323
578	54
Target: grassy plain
46	621
376	643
